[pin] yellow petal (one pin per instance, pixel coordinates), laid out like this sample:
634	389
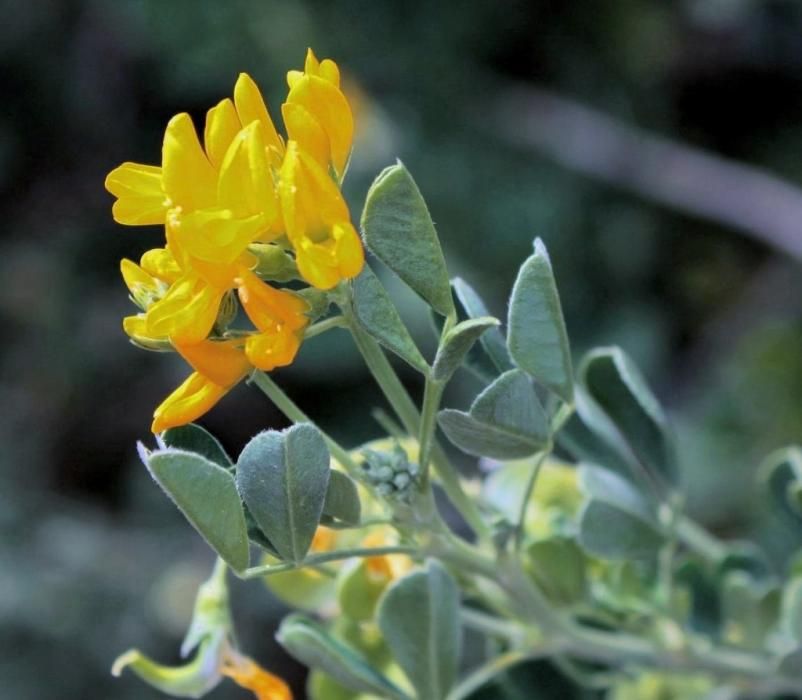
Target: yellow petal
222	362
271	349
161	263
246	673
327	104
188	177
216	235
136	329
251	107
330	71
303	128
140	199
311	64
222	125
144	288
187	312
187	403
268	307
349	253
245	185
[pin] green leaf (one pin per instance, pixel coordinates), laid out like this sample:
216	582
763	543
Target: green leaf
193	438
781	476
536	334
419	618
358	590
483	440
792	609
400	232
616	522
506	421
342	500
511	403
378	316
283	478
615	387
751	610
455	346
492	348
557	565
191	680
207	496
313	646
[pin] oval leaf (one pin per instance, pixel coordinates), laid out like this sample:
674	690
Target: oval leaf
483	440
419	618
207	496
400	232
491	357
614	385
511	403
536	334
342	500
456	345
616	522
283	478
378	316
312	645
193	438
781	474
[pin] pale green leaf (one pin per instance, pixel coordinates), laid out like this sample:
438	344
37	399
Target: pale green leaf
207	495
283	478
419	618
483	440
313	646
377	314
399	231
342	500
194	438
511	403
456	345
536	334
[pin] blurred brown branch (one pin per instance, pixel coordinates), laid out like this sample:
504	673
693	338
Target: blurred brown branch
747	199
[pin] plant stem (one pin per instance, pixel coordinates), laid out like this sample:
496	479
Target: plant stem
540	460
493	626
432	393
323	326
288	407
699	540
325	557
407	413
489	670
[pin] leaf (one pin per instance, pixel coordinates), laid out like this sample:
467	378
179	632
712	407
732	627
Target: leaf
400	232
310	644
470	305
193	438
781	475
483	440
792	609
511	403
615	522
207	496
536	335
378	316
751	610
456	345
419	618
342	499
283	478
358	590
615	387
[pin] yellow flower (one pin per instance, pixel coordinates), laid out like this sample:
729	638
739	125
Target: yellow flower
279	316
317	222
246	673
218	365
386	567
317	114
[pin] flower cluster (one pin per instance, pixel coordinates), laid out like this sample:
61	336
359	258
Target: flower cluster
221	203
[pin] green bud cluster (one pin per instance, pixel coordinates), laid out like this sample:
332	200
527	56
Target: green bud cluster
390	473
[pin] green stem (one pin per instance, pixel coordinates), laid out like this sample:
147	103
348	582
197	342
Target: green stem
491	669
699	540
324	558
407	413
540	460
288	407
492	626
432	394
323	326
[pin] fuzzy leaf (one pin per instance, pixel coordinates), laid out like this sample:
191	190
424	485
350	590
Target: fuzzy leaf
283	478
419	618
399	231
313	646
483	440
193	438
378	316
207	496
536	334
342	499
456	345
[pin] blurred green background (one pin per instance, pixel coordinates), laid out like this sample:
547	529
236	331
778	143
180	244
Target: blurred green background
93	559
